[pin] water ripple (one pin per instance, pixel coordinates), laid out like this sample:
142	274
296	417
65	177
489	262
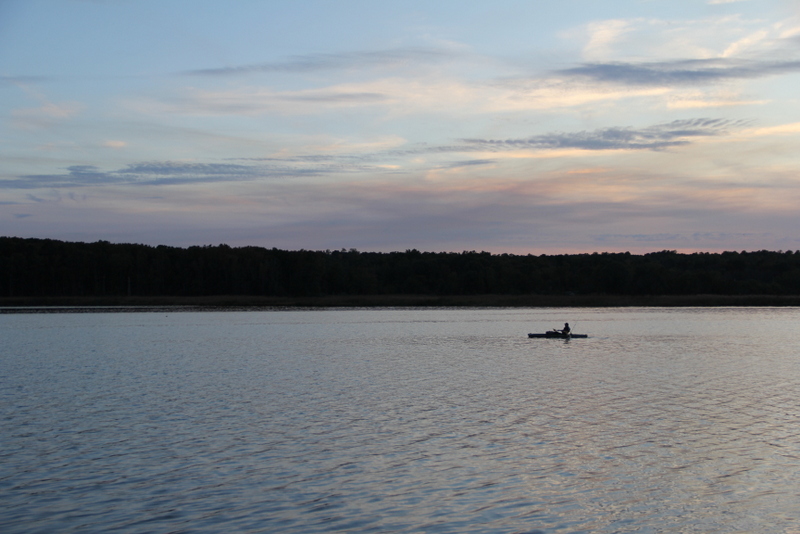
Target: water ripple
438	421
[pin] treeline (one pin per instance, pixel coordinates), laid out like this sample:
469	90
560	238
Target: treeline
50	268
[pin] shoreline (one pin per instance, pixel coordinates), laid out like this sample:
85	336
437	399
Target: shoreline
236	302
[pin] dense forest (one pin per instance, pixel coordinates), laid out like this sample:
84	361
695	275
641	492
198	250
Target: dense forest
50	268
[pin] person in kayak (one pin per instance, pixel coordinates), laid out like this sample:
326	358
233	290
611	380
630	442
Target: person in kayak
566	329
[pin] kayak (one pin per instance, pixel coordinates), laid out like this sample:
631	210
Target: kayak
558	335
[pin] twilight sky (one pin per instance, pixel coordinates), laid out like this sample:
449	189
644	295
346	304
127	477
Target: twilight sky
507	126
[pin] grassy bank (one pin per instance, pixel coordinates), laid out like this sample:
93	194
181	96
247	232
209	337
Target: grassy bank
534	301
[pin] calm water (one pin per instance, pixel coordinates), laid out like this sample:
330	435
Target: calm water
406	420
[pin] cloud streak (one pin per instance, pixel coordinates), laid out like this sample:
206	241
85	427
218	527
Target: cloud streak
681	72
653	138
164	173
179	173
398	57
657	137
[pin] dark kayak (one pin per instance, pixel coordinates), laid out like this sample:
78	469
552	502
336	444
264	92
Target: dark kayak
558	335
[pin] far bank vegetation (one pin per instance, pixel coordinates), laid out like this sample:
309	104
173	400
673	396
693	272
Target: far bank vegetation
45	268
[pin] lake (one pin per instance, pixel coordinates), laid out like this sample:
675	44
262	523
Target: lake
401	420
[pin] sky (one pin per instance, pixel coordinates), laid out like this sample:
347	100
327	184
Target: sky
522	127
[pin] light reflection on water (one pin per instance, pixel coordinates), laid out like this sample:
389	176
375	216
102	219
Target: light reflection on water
664	420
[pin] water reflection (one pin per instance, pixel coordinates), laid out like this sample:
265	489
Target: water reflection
400	420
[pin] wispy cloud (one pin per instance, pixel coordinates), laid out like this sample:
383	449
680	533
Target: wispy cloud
258	100
181	173
396	97
681	72
44	116
664	83
148	173
603	34
342	61
389	159
471	163
657	137
76	176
